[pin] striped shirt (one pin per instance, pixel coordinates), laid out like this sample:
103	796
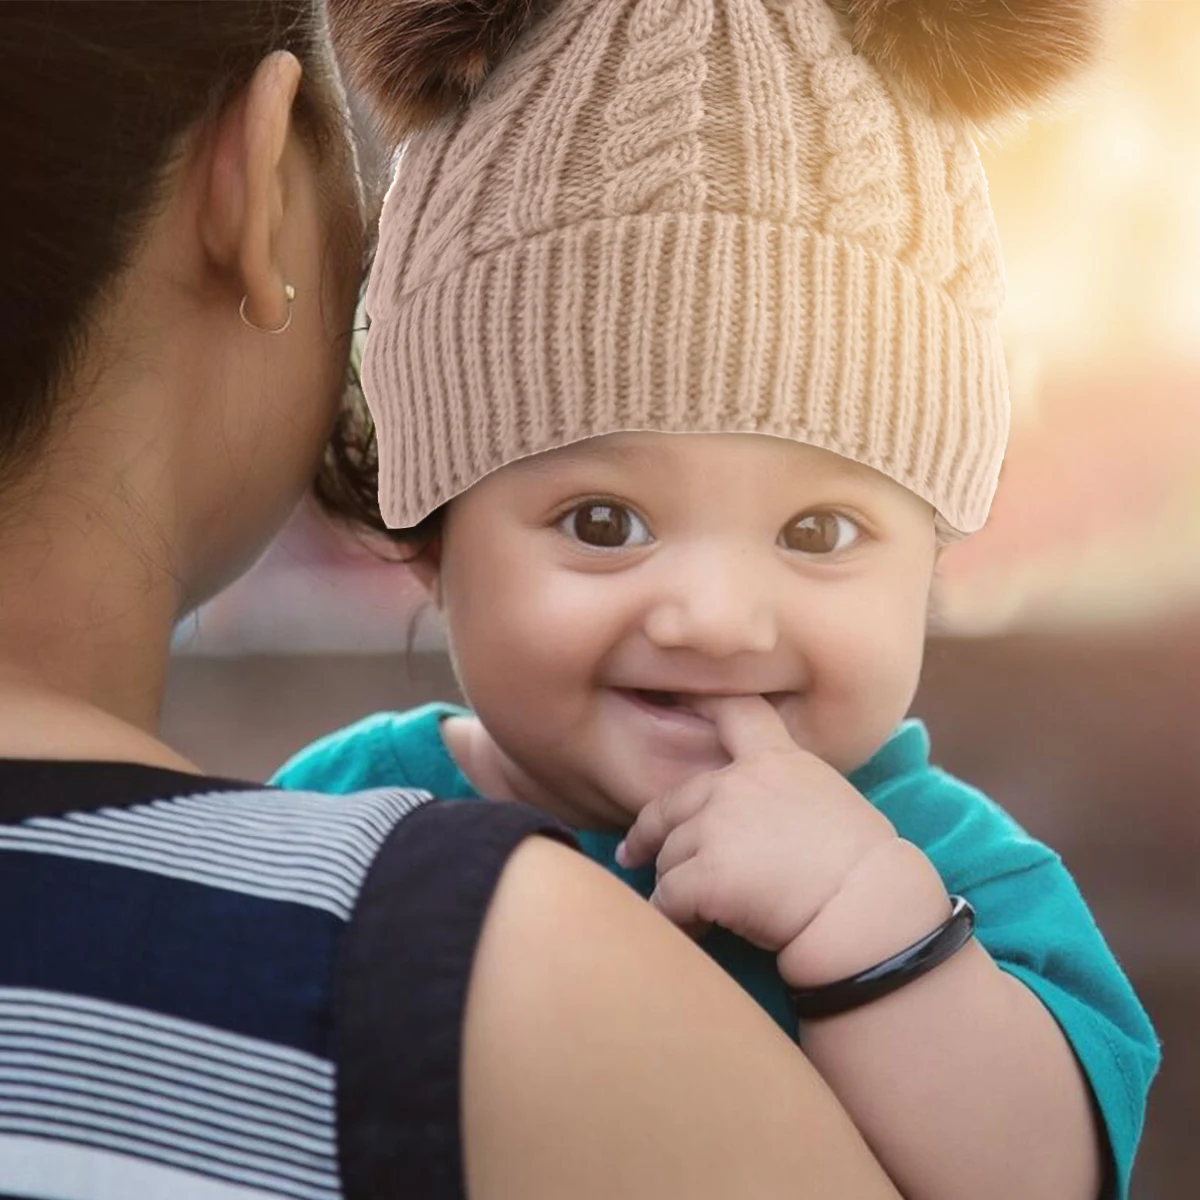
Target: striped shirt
215	991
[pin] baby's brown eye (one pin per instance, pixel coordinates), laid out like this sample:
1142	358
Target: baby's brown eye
606	525
819	533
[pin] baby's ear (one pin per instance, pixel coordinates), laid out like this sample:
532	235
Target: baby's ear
426	566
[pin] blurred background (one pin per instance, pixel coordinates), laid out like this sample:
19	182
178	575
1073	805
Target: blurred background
1063	673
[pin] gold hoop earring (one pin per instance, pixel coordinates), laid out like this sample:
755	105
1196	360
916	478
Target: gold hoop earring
289	294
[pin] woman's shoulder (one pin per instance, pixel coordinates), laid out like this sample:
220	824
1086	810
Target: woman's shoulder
252	947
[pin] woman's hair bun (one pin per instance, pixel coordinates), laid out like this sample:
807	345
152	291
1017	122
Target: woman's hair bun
412	60
978	59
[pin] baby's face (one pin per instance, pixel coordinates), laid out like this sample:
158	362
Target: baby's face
592	592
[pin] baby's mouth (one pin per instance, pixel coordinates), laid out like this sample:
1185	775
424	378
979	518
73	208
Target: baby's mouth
677	703
685	703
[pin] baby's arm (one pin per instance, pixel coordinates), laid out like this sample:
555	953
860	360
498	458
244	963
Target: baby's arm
963	1081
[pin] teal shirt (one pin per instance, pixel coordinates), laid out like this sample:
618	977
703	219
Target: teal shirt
1031	917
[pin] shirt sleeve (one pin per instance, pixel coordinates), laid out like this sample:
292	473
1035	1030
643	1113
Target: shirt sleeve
1034	922
401	993
354	759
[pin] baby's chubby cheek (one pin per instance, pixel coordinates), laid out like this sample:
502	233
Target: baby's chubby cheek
855	705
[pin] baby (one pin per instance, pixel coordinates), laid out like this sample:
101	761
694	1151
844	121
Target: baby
685	365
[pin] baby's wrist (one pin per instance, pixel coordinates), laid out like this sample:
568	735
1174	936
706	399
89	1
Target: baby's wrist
891	899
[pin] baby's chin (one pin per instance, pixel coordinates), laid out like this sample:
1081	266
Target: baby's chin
631	795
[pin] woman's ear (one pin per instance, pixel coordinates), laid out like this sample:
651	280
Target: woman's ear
246	193
426	566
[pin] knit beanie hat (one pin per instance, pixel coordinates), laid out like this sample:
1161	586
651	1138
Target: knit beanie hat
760	216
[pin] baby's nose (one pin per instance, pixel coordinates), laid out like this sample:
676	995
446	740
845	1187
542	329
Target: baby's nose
719	612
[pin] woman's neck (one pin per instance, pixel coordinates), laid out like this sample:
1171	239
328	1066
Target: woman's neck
87	608
42	723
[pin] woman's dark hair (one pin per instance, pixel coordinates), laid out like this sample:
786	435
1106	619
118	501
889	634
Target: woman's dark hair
95	98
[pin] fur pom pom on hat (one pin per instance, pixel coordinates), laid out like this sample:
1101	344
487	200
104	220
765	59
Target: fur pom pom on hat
414	59
978	59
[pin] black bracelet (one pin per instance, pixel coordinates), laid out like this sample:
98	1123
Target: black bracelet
893	973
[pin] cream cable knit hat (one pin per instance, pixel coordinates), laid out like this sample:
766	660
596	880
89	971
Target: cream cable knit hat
682	216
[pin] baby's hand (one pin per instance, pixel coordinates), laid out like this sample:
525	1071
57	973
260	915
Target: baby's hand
761	846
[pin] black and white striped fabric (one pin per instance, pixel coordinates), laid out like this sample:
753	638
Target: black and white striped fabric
207	990
103	1099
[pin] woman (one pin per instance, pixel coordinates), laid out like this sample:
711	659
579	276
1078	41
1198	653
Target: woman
208	989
